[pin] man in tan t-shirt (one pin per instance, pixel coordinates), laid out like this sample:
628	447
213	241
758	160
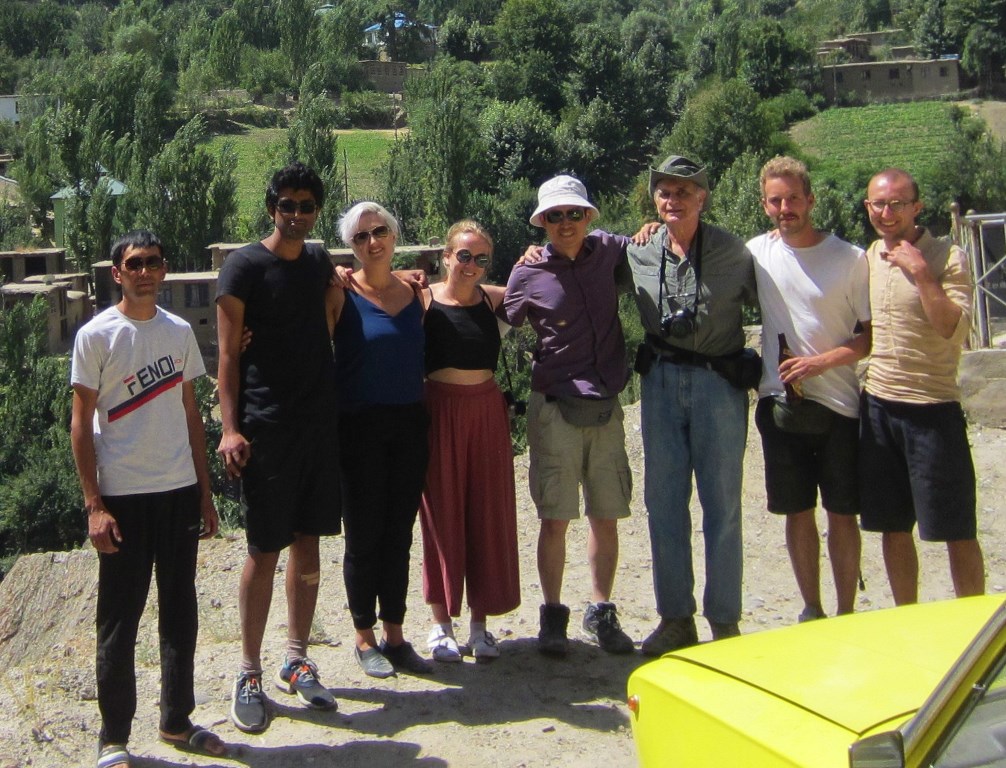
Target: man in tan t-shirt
915	460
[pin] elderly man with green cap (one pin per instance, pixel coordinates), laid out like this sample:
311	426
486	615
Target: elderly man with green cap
691	281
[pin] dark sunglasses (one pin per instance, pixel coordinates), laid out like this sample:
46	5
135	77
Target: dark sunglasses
378	233
136	263
464	256
288	206
573	214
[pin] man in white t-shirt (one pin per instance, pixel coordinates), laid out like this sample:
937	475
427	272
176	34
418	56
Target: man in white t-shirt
140	450
813	289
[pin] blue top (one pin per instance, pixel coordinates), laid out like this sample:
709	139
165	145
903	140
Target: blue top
378	357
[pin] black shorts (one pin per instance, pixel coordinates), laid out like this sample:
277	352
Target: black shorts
290	485
797	465
915	466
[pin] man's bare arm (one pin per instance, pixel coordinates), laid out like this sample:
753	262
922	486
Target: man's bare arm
234	449
102	529
943	314
197	443
856	348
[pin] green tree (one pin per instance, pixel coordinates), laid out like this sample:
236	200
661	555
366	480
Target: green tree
83	149
295	21
15	229
872	15
705	135
39	501
224	59
312	142
89	32
258	23
432	172
930	33
984	55
36	171
520	138
463	38
736	204
186	195
768	56
591	146
535	51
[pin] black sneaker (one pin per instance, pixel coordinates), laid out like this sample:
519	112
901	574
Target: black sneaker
552	638
300	676
600	622
248	703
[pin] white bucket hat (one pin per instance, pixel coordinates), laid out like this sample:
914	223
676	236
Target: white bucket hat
559	191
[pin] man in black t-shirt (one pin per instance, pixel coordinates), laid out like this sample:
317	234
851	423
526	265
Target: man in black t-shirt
278	435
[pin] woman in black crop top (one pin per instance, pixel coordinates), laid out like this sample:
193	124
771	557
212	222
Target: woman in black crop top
468	512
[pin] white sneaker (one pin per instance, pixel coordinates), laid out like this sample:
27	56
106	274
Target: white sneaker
483	646
442	645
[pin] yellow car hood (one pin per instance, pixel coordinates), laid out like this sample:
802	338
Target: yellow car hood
857	671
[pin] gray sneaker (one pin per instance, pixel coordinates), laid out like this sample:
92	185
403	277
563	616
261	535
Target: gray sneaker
552	638
300	676
670	635
248	711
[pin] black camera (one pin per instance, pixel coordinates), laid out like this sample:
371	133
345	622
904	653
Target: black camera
514	406
682	323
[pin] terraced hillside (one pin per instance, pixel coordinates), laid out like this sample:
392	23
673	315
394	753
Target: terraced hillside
909	136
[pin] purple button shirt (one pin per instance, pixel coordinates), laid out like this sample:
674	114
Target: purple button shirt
573	307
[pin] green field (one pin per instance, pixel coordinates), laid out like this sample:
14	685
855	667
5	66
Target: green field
364	152
910	136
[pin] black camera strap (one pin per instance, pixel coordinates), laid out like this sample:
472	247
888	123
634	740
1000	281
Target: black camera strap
694	257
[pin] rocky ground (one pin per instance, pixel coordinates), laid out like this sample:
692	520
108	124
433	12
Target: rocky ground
522	710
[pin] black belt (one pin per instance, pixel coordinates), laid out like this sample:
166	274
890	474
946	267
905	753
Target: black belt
665	353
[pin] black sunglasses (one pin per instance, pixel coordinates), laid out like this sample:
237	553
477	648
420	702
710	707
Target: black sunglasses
573	214
288	206
464	256
136	263
378	233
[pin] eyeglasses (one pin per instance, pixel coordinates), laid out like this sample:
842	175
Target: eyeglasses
573	214
464	256
378	233
288	206
136	263
878	206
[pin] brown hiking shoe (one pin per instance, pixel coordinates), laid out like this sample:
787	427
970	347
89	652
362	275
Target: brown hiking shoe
670	635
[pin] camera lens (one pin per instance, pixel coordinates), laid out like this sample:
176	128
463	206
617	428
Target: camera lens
680	324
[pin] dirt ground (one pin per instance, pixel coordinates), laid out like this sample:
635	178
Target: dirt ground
521	710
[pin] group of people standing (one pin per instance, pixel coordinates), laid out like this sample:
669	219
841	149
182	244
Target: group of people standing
405	419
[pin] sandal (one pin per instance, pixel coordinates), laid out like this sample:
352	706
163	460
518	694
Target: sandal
196	739
113	756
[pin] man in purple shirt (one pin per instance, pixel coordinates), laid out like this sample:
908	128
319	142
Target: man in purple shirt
575	430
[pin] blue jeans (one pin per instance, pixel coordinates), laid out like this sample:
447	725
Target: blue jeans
694	421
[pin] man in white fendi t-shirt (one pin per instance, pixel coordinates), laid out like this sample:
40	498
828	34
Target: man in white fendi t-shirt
140	450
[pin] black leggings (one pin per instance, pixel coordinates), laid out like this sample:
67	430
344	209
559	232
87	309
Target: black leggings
161	528
383	453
